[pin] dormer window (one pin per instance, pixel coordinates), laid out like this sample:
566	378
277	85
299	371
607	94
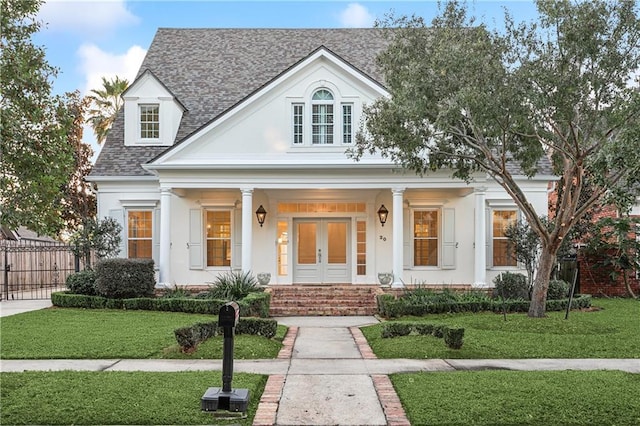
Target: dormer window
150	121
323	120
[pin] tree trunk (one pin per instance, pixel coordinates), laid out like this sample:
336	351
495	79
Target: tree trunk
541	284
627	284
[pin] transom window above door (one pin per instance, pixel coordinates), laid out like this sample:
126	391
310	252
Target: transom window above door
323	120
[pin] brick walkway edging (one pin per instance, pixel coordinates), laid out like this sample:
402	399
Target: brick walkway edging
270	400
387	395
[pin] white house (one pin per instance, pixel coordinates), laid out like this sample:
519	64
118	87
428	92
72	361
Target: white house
223	123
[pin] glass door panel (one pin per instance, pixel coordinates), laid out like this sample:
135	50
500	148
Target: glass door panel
337	242
307	246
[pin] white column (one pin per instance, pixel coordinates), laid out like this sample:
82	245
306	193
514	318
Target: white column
480	245
247	228
397	215
165	237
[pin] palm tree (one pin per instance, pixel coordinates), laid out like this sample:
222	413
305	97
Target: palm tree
105	104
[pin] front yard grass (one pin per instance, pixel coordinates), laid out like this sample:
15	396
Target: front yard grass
520	398
611	332
127	398
65	333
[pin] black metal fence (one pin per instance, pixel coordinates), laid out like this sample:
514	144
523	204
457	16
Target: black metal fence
34	269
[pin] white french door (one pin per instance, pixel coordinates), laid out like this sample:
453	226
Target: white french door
322	251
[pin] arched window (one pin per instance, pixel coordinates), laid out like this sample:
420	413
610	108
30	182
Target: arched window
322	117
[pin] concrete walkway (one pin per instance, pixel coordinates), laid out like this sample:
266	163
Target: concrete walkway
326	374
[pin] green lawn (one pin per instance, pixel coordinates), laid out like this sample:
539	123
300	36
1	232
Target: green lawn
99	334
123	398
520	398
611	332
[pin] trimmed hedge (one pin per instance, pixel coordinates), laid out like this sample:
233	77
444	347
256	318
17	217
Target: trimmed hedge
390	307
256	304
453	337
125	278
189	338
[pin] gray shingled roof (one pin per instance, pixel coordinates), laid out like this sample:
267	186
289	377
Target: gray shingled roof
210	70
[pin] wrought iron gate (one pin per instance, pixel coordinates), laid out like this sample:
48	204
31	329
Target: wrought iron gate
33	270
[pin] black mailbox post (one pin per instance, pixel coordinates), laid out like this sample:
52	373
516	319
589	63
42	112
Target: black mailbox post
226	398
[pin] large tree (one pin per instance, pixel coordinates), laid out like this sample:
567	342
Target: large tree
36	158
78	201
471	99
105	104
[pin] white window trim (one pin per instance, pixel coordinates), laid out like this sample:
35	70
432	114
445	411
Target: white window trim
438	266
142	140
338	118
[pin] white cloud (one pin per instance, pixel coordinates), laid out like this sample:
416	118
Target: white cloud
85	17
95	63
356	16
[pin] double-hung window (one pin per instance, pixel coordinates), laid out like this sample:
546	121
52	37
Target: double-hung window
298	124
501	220
139	234
322	118
347	123
218	234
426	225
150	121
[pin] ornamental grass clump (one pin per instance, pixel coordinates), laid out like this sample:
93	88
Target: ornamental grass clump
233	286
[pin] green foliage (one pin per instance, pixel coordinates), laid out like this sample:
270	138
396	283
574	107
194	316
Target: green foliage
176	292
558	289
125	278
37	156
125	397
394	329
190	337
615	244
456	103
511	286
454	337
83	282
390	307
514	397
254	305
105	104
607	330
233	286
100	236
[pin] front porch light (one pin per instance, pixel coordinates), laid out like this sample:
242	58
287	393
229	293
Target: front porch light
261	214
382	214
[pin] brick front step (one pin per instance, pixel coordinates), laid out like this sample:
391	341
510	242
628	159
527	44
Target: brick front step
310	300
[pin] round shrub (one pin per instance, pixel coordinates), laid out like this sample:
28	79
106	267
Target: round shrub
558	289
511	286
83	282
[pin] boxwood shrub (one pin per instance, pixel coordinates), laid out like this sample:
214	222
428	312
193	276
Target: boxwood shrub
83	282
256	304
390	307
125	278
453	337
190	337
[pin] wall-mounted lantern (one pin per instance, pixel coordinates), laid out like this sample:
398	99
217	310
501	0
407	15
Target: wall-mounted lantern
261	214
382	214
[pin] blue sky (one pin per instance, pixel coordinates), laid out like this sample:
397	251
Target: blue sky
89	39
